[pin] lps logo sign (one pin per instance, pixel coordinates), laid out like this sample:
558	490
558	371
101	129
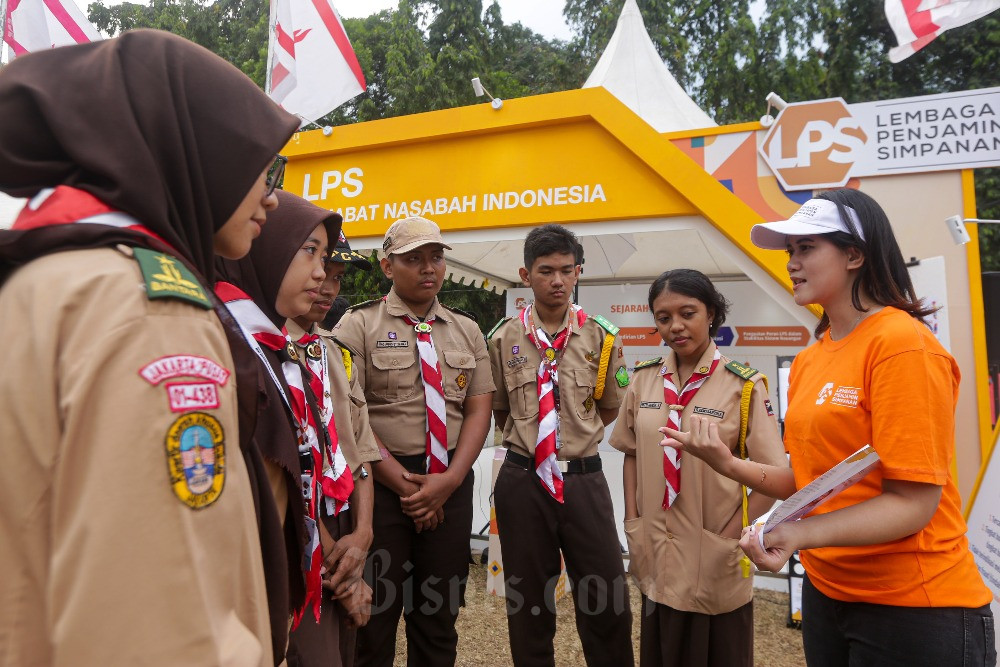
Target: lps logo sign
813	144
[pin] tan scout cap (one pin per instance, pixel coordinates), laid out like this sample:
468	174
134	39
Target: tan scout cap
411	233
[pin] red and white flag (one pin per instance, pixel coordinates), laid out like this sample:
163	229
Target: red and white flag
36	25
312	68
917	22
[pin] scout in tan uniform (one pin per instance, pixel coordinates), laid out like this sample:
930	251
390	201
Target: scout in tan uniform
281	278
683	525
426	377
344	559
551	493
127	509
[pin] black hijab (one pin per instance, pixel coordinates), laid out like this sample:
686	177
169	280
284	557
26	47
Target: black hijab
150	124
260	273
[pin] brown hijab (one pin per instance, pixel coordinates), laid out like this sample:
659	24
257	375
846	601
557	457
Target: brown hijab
150	124
260	273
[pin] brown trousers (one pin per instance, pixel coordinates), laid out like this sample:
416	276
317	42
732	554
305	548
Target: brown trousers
672	638
422	575
331	642
533	528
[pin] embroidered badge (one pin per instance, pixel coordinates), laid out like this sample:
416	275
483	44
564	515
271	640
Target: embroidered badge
515	349
314	351
663	371
622	376
647	363
392	335
768	407
653	405
183	365
743	370
516	361
184	396
698	410
703	369
461	380
588	404
196	459
392	343
550	354
168	278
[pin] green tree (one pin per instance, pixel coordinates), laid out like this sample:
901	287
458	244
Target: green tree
233	29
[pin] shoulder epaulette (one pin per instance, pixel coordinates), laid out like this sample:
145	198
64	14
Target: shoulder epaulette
648	363
365	304
167	277
460	312
744	372
605	324
497	326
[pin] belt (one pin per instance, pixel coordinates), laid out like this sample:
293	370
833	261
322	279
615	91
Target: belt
576	466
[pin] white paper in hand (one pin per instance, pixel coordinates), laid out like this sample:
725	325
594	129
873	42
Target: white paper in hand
821	489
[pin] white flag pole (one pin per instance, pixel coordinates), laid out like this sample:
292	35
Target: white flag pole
272	20
4	49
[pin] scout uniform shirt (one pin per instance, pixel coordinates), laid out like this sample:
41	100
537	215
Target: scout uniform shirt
677	556
350	413
127	528
515	360
388	368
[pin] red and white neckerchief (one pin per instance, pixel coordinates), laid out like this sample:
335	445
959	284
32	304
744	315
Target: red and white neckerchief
337	480
547	442
63	205
259	330
675	405
436	430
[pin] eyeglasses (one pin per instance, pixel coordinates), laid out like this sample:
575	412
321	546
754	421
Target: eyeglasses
275	174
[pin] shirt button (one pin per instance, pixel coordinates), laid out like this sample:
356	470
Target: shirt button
670	536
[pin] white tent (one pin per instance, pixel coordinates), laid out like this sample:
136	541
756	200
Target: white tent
632	70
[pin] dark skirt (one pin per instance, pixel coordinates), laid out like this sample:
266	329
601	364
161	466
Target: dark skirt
331	642
671	638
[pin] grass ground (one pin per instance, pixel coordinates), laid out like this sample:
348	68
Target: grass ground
482	630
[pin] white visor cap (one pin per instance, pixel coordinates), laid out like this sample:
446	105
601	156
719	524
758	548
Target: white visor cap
816	216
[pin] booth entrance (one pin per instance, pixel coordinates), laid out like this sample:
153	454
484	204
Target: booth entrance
641	202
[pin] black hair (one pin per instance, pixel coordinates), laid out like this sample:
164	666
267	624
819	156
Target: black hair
337	310
696	285
883	274
550	240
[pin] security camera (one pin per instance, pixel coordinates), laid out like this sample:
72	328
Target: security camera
956	226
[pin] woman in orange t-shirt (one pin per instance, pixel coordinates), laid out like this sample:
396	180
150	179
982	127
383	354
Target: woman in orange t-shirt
890	578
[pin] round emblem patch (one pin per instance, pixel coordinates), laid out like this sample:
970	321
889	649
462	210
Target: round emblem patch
196	459
703	369
461	380
292	352
550	354
313	350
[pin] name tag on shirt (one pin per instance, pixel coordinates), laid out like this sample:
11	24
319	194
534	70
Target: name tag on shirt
718	414
653	405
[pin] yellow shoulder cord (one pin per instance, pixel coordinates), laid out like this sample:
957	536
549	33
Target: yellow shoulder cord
347	361
744	419
602	368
